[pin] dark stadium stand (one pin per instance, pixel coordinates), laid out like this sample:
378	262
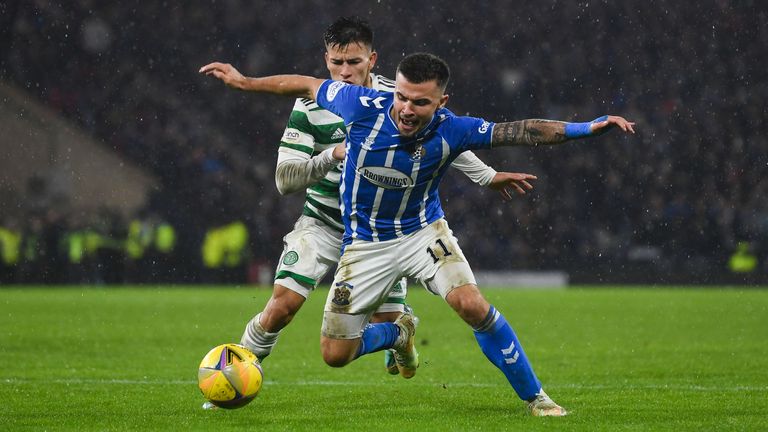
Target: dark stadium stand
668	205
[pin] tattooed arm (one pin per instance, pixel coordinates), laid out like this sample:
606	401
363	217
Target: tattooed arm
534	132
528	132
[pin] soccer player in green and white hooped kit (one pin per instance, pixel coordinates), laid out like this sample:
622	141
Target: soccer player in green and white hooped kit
306	161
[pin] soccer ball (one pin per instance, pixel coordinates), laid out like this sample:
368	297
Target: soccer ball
230	376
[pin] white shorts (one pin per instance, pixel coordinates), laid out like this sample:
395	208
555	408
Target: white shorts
310	251
367	269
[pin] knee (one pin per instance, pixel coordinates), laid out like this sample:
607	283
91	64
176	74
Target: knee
469	303
281	309
337	353
334	360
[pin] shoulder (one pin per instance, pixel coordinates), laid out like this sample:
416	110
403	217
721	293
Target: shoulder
307	114
361	98
382	83
305	105
457	121
463	125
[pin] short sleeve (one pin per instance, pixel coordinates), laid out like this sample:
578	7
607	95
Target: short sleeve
471	132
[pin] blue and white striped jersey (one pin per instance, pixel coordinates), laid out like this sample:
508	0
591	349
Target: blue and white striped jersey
389	183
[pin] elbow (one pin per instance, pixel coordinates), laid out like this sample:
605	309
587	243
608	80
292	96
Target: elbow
282	181
283	188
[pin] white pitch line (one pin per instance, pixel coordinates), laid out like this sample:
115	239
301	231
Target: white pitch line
677	387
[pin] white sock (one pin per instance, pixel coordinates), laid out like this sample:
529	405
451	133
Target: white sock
258	340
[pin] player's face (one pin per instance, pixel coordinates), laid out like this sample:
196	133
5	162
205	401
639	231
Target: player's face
351	64
415	104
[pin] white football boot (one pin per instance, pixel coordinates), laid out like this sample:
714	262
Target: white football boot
406	356
543	406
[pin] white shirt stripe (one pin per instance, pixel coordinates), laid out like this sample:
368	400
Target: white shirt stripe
379	193
360	161
446	151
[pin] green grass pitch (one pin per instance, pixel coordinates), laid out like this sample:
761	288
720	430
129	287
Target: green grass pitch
636	359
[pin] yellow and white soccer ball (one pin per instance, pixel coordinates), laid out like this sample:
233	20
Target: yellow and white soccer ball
230	376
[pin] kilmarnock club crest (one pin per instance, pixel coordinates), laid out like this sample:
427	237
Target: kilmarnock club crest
341	294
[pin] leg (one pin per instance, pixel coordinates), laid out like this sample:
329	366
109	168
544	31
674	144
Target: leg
469	303
309	252
448	274
394	304
280	309
501	346
338	352
262	331
382	317
389	311
363	281
496	339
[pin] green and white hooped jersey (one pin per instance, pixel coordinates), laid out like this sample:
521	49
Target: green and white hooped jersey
311	130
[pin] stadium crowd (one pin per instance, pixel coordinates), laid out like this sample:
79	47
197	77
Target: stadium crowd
678	197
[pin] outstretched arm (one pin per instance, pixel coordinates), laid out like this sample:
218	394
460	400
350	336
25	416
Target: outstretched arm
534	132
286	85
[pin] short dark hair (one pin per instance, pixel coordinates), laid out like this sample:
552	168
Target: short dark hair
348	30
421	67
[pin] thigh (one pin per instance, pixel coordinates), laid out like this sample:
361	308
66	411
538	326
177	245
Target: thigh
364	278
433	257
309	252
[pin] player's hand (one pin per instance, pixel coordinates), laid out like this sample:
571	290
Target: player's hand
225	72
339	151
598	128
506	183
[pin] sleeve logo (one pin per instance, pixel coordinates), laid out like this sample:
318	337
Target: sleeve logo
333	89
484	127
291	136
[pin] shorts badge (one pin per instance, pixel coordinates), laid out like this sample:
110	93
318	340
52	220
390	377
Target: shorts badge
341	294
291	258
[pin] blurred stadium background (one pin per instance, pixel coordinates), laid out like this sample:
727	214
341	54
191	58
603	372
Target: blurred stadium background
120	164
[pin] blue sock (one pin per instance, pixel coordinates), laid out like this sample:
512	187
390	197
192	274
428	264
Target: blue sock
377	337
499	343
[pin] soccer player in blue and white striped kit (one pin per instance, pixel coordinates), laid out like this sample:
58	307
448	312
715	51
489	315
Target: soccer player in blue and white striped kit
398	147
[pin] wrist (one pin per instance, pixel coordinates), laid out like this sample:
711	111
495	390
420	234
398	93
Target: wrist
327	157
488	177
581	130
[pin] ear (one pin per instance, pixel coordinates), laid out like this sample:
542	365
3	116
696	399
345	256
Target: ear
443	101
372	59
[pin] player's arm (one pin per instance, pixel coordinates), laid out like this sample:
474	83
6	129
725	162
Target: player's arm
298	165
285	85
504	182
296	175
535	132
474	168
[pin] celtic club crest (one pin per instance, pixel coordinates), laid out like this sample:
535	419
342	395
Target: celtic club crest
291	258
